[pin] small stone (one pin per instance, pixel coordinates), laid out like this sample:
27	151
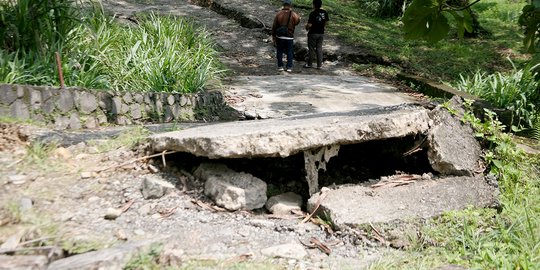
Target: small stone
152	168
171	255
17	179
120	234
86	175
112	213
153	187
93	199
26	204
287	251
62	153
284	203
139	232
250	115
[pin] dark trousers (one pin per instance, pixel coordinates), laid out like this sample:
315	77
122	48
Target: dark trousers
284	46
315	48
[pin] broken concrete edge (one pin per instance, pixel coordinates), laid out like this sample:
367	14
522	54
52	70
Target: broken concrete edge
115	257
420	200
438	90
288	136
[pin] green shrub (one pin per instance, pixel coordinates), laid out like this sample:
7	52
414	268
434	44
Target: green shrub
384	8
517	91
156	54
37	26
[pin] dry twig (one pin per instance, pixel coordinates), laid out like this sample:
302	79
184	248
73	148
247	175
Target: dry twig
162	154
321	198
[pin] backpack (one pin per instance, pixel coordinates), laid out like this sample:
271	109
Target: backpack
283	31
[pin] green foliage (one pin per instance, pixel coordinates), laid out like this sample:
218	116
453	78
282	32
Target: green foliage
426	19
487	238
530	21
156	54
145	260
384	8
38	154
127	139
35	26
517	91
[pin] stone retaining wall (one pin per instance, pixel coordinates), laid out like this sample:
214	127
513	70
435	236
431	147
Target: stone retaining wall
75	108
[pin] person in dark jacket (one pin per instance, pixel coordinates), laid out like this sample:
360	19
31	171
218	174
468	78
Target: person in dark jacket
315	26
285	22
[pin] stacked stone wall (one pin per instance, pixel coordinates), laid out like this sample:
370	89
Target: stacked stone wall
76	108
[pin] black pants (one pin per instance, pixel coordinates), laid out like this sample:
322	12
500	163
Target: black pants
315	42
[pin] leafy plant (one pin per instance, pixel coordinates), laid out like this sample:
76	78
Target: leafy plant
147	260
158	54
38	26
425	19
517	91
384	8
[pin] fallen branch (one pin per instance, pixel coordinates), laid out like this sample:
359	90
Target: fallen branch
162	154
320	245
378	235
127	206
319	201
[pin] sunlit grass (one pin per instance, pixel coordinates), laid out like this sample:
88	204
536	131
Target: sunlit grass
444	61
159	53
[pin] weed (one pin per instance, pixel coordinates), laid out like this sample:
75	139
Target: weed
517	91
485	238
38	154
147	260
127	139
80	245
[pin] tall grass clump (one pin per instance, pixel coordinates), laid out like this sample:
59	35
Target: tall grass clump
518	91
35	26
162	54
155	54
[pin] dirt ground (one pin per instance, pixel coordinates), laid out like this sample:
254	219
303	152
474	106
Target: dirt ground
54	199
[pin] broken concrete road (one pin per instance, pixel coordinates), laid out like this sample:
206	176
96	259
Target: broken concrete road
287	136
287	95
420	199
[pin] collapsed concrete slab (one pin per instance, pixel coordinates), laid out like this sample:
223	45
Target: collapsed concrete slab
452	147
288	136
355	204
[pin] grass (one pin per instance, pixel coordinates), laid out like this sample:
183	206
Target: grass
444	61
127	139
486	238
158	53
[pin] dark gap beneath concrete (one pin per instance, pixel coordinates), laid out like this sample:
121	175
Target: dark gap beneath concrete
355	164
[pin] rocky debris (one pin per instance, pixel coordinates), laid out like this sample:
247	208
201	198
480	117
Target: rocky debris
108	258
171	255
288	251
17	179
353	205
452	147
232	190
283	204
23	262
153	187
113	213
25	203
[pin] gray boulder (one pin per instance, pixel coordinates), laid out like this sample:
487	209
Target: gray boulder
153	187
232	190
453	149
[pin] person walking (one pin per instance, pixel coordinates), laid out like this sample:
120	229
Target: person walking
315	26
285	22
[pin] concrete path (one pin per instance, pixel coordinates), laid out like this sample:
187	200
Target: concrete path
294	94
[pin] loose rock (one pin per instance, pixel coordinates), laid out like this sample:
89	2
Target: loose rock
284	203
153	187
288	251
